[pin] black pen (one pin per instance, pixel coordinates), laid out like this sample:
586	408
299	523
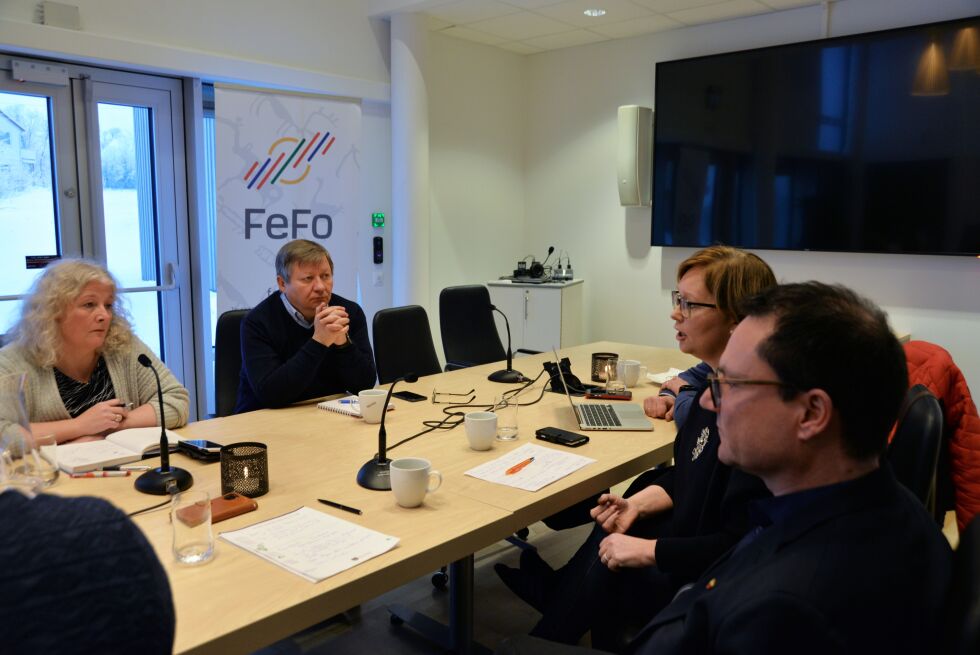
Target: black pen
352	510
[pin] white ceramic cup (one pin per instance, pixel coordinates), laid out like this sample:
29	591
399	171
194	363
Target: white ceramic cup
481	428
411	478
372	402
628	370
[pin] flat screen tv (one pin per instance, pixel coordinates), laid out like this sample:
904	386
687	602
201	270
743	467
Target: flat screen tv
866	143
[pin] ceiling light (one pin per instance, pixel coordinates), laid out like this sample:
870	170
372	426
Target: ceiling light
594	13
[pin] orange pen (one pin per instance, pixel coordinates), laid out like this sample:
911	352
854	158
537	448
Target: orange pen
517	467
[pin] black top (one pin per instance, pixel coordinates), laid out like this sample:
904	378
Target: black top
711	499
79	396
282	364
79	576
857	567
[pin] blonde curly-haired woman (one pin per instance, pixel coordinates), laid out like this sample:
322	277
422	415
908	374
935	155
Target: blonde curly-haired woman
80	356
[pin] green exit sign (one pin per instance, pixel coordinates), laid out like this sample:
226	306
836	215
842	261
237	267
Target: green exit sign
378	219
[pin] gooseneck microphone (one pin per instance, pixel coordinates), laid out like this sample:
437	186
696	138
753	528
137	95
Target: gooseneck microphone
375	473
508	375
166	479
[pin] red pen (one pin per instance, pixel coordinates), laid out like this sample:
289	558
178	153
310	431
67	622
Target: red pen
101	474
517	467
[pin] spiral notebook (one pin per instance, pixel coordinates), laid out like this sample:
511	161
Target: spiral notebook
348	405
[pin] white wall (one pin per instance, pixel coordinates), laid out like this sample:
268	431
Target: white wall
572	203
303	45
476	141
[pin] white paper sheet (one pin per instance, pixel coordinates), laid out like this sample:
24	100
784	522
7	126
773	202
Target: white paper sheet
549	465
660	378
311	544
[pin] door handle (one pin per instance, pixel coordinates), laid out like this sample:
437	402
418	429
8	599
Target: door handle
169	284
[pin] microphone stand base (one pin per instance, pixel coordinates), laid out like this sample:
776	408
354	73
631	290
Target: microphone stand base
507	376
375	475
159	479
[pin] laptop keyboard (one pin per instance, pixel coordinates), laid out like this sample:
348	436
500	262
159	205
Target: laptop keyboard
599	415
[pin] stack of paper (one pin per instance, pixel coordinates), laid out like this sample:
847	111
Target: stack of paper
660	378
311	544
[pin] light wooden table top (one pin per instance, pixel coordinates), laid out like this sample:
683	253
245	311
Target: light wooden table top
238	602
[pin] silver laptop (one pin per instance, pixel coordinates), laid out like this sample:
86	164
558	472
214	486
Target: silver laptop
605	416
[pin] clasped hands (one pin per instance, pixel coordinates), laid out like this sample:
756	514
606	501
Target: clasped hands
102	418
615	515
331	325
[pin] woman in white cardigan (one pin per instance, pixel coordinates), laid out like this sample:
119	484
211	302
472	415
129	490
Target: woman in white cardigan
80	356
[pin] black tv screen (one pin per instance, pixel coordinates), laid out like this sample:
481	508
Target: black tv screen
866	143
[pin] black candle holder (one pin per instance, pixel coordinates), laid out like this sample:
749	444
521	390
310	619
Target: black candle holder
245	468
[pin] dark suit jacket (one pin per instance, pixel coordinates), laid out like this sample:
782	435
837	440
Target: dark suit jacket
861	568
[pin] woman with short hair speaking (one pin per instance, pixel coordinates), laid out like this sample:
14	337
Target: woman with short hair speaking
80	356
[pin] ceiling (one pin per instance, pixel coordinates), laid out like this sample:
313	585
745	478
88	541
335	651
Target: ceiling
530	26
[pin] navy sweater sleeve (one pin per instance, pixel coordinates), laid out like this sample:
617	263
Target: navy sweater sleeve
282	364
688	556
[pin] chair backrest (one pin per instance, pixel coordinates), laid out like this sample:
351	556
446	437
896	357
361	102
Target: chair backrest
469	334
403	343
914	450
227	361
963	608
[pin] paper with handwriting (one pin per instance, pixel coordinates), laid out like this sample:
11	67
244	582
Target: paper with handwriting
549	465
310	543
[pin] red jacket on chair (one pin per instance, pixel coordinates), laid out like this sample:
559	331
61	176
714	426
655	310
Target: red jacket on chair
932	366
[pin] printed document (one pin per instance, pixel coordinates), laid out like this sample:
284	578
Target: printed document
310	543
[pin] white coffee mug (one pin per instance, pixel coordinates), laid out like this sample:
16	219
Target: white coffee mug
481	428
411	478
628	370
372	403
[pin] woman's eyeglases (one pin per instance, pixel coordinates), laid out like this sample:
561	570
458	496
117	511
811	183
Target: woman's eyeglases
685	305
715	382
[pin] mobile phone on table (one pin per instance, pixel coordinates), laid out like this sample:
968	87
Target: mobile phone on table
200	449
602	395
562	437
410	396
229	505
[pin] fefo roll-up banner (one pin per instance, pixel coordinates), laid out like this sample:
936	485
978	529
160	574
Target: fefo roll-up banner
286	169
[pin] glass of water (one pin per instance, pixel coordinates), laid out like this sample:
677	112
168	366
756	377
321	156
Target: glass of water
506	410
190	512
46	458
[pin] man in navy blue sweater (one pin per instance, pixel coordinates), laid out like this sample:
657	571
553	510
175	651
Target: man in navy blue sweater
305	341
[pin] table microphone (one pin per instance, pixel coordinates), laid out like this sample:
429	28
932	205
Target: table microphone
375	473
166	479
508	375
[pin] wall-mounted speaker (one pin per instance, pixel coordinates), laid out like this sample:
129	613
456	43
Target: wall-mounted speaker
635	155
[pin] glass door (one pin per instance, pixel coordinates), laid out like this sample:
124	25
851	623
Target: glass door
105	180
38	189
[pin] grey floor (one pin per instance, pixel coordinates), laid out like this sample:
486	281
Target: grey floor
497	612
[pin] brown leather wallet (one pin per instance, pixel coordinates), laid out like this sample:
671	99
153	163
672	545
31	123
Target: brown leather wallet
231	504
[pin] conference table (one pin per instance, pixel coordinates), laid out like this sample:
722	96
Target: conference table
238	602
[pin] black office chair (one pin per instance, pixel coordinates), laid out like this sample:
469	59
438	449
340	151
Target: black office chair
403	343
227	361
914	450
963	608
469	335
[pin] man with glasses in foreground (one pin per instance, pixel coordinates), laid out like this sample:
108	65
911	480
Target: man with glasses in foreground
842	558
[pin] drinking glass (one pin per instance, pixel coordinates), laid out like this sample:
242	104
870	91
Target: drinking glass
46	458
19	465
190	513
505	408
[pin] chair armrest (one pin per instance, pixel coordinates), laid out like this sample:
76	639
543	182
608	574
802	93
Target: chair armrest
529	352
455	366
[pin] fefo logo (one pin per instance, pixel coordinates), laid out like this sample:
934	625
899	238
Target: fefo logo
298	152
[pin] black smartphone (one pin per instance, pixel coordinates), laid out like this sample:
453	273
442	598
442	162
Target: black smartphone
562	437
410	396
200	449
